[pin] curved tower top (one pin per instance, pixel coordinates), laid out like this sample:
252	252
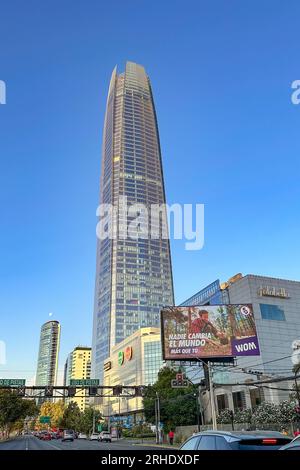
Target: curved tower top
133	276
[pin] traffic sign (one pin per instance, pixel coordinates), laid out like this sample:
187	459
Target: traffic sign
84	382
12	382
45	419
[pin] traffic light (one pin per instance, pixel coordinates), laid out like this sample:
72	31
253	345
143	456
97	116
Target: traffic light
93	391
117	390
71	392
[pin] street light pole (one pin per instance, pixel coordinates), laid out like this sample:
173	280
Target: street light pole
93	419
157	418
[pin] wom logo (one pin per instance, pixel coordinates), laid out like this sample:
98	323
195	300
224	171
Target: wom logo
2	353
2	92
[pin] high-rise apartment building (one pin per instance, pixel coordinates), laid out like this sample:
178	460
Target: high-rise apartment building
48	353
78	366
133	275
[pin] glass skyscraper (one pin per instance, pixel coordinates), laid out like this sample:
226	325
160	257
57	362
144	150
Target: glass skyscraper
133	276
48	354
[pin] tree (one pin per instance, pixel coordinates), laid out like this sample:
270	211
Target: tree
178	406
87	419
54	410
71	417
14	409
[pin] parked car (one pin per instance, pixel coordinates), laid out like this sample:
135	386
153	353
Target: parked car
236	440
81	435
94	436
293	445
105	436
68	435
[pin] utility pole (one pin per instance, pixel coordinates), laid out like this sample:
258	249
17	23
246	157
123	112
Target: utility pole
200	406
212	397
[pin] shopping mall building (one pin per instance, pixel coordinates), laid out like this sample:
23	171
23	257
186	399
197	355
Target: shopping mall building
134	361
276	306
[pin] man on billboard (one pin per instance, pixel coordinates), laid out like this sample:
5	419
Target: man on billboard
201	324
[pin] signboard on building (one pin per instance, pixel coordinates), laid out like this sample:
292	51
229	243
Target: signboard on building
214	331
271	291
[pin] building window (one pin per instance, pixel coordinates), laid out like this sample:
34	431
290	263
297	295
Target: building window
222	401
239	400
271	312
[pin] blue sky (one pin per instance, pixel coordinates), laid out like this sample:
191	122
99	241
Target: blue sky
221	73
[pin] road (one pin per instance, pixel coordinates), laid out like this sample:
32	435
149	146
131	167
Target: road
33	443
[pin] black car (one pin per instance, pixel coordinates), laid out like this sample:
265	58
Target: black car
236	440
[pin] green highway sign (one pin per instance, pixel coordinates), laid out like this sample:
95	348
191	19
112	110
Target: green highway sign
84	382
12	382
45	419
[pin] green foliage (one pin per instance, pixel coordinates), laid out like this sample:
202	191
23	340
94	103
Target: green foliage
13	410
71	417
177	406
265	413
224	417
55	410
86	420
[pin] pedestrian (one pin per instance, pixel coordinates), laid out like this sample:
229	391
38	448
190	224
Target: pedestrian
297	432
171	437
284	432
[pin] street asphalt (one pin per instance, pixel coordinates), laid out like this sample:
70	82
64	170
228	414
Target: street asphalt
33	443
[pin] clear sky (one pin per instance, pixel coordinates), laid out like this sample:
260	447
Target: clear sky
221	73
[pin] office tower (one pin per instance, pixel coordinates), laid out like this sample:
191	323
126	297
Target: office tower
78	366
48	353
133	276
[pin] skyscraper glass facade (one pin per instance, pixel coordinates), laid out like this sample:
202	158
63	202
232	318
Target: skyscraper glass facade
133	276
48	354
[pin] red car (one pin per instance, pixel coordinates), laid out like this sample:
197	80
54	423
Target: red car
46	436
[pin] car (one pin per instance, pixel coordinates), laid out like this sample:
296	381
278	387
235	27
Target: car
46	436
236	440
94	436
105	436
293	445
81	435
68	435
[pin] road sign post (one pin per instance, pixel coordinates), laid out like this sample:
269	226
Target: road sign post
45	419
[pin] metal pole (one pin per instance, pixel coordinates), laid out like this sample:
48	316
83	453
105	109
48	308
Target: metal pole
119	420
297	389
198	412
212	398
158	418
156	421
200	406
93	420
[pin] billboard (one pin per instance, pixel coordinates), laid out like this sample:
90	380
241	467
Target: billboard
208	332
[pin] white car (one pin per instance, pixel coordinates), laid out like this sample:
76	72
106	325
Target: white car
94	437
105	436
81	435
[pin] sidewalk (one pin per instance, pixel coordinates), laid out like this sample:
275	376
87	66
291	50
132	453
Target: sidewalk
150	443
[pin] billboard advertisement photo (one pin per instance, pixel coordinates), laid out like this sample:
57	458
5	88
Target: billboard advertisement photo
213	331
